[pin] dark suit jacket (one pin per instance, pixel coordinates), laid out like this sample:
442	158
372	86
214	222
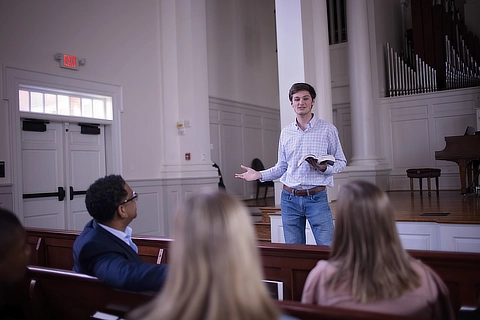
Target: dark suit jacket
101	254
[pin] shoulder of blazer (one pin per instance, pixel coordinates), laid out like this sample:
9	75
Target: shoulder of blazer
101	234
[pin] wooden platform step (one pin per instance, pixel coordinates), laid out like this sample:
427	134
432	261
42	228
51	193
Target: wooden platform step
261	221
262	230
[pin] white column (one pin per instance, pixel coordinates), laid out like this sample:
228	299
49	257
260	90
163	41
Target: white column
303	56
183	38
303	53
361	99
317	55
291	66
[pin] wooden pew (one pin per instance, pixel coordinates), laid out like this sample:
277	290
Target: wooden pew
150	248
459	270
48	293
54	248
305	311
292	263
289	264
51	294
37	246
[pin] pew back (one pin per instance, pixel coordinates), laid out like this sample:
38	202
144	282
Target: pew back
289	264
52	294
305	311
54	248
459	271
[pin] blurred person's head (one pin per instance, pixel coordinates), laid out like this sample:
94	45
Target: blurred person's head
214	264
14	249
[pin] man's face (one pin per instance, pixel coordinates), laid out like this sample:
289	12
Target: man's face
131	205
302	103
14	264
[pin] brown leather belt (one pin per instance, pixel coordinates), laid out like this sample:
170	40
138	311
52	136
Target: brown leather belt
302	193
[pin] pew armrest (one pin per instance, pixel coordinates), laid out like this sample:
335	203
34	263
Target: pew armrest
38	301
469	313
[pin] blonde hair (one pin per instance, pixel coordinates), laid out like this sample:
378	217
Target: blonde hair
366	248
214	265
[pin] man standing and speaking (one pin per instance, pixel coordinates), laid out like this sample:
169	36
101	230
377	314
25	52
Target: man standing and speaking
304	194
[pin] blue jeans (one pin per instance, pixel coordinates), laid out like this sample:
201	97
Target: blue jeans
295	212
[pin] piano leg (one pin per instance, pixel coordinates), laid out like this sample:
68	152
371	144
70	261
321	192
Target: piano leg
420	182
472	176
429	184
463	175
411	187
476	175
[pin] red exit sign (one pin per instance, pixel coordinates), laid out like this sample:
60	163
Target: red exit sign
69	62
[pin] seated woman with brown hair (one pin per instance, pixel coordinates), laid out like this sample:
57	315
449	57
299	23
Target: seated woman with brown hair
215	271
368	268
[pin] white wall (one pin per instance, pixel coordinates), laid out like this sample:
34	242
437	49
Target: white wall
5	152
146	48
240	133
123	44
416	127
242	58
120	42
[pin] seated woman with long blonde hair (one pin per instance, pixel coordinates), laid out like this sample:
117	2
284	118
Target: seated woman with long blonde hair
214	265
368	268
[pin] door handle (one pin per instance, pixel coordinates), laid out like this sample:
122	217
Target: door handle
76	193
60	194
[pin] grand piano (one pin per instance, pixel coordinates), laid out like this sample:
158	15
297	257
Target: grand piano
465	151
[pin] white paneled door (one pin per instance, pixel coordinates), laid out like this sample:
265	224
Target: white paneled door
59	162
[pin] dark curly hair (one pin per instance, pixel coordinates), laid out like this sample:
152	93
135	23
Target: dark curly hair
9	231
104	196
296	87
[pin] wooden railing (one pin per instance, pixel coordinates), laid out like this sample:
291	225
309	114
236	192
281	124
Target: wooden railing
289	264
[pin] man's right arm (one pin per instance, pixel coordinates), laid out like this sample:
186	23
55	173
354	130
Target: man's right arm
280	167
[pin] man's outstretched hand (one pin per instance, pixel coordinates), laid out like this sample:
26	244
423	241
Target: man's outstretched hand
249	174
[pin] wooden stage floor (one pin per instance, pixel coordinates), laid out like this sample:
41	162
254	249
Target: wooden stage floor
449	207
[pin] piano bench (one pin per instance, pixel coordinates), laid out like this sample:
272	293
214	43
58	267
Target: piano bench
421	173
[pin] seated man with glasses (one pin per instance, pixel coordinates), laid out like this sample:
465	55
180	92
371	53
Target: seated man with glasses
105	249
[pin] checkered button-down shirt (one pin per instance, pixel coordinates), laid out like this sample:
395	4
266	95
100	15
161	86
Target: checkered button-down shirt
320	137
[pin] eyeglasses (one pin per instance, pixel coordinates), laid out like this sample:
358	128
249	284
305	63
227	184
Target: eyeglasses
134	196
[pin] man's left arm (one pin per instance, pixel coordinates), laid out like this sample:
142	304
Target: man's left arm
335	149
121	273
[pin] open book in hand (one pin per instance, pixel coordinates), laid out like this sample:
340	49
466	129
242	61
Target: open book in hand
326	157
